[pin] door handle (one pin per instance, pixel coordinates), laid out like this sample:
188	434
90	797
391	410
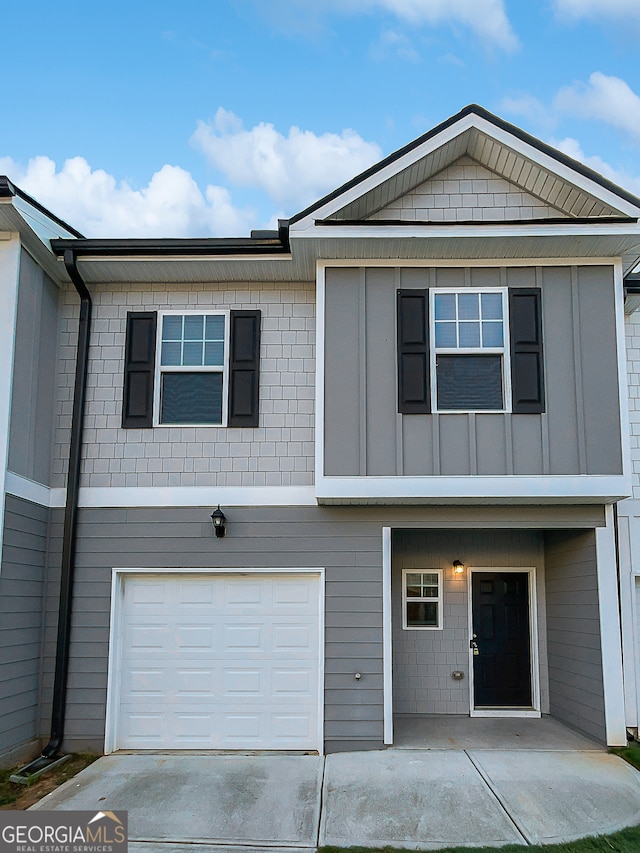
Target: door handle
474	647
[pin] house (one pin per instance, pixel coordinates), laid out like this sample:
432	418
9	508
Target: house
409	405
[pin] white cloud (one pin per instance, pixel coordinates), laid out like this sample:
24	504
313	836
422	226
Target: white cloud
293	170
171	205
595	9
607	99
392	43
572	148
487	19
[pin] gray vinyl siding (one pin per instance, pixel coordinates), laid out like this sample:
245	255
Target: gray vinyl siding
424	660
578	434
348	544
346	541
576	689
31	426
22	587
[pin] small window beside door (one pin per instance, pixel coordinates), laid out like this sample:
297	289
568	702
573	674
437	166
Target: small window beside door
422	599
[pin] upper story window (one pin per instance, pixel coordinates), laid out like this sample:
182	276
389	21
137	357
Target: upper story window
191	368
469	350
477	349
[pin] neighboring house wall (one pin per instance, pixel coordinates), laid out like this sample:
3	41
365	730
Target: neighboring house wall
424	660
468	191
279	452
34	377
578	434
573	623
22	587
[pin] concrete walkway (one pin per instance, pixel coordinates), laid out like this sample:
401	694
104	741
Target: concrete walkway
416	798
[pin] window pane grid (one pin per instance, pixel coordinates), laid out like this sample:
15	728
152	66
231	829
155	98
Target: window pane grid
191	369
192	340
468	321
422	599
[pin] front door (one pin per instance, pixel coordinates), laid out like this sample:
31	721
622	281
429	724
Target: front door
501	634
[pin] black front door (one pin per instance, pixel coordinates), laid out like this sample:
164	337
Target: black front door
502	663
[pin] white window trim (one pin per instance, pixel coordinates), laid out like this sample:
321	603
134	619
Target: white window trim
159	370
439	600
503	351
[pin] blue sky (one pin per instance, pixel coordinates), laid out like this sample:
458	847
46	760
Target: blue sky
212	117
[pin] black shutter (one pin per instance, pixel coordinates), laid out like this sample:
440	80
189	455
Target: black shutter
413	352
527	368
139	369
244	368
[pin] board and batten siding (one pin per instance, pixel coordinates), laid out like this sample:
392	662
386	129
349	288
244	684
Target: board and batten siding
576	688
34	379
578	434
22	593
424	660
279	452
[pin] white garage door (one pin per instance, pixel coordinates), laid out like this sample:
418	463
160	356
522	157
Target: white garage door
219	662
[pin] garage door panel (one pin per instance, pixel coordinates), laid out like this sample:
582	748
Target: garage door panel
212	662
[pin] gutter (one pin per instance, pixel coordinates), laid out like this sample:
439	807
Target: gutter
47	758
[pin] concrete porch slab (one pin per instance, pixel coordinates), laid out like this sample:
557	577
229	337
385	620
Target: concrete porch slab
232	800
560	796
418	800
446	731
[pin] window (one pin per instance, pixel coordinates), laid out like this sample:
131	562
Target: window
191	368
468	350
422	599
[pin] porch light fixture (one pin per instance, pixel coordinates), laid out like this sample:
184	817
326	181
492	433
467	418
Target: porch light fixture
458	567
218	519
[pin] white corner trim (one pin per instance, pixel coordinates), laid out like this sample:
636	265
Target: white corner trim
320	333
35	493
623	387
169	496
387	634
610	633
10	277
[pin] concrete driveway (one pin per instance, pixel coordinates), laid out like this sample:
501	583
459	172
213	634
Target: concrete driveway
415	798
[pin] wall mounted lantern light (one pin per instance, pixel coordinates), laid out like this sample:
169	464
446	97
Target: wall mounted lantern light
458	567
218	519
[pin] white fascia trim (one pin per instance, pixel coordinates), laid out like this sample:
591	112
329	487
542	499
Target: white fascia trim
555	166
35	493
379	177
504	137
387	635
10	277
169	496
598	488
322	265
408	230
610	633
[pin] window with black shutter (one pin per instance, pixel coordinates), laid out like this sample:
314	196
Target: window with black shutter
192	368
458	343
